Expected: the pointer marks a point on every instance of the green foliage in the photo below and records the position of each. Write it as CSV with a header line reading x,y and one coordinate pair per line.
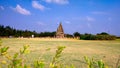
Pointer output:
x,y
7,31
91,63
97,37
55,59
18,60
24,50
15,61
3,50
39,64
71,66
76,34
100,36
103,33
68,35
11,32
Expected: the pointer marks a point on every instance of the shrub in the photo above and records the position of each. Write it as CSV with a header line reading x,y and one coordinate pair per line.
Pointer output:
x,y
97,37
91,63
17,60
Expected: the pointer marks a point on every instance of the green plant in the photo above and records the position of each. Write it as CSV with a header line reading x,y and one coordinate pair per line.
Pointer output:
x,y
18,59
71,66
39,64
3,53
91,63
55,60
15,61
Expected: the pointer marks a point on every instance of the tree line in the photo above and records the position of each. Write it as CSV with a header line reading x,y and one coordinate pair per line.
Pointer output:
x,y
7,31
99,36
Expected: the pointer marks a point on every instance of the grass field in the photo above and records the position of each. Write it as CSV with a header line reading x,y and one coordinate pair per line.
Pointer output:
x,y
74,52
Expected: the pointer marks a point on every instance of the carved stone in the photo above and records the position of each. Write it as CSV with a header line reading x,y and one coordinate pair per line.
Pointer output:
x,y
60,32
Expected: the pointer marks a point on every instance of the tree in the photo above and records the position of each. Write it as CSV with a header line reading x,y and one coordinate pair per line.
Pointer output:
x,y
76,34
103,33
68,35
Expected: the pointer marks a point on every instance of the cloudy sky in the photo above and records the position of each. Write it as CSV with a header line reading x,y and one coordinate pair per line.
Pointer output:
x,y
84,16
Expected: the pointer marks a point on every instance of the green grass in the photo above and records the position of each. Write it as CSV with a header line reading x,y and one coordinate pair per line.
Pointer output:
x,y
74,52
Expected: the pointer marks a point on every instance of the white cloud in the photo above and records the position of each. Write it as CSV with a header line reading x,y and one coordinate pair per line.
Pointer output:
x,y
36,5
99,12
58,1
67,22
41,23
90,19
1,7
21,10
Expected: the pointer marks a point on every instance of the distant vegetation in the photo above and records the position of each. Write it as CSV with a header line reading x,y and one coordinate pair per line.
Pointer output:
x,y
11,32
7,31
100,36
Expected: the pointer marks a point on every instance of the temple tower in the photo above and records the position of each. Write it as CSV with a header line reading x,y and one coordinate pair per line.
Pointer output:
x,y
60,31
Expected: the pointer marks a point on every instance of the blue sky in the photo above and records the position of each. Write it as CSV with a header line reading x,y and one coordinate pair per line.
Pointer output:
x,y
84,16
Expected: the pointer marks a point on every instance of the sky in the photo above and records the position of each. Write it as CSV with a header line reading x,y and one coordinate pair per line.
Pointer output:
x,y
83,16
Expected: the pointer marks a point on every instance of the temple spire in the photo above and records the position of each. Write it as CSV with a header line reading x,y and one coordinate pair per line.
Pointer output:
x,y
60,31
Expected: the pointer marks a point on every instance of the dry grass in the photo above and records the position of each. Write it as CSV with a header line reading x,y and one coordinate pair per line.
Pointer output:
x,y
74,52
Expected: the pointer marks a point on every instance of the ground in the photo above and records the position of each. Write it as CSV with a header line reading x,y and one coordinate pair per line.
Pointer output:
x,y
74,52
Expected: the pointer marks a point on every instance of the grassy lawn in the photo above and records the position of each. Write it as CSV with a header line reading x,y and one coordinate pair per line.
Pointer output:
x,y
74,52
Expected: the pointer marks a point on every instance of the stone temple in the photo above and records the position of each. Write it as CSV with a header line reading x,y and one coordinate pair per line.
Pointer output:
x,y
60,31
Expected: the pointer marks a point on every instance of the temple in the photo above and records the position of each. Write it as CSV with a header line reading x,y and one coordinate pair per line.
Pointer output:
x,y
60,32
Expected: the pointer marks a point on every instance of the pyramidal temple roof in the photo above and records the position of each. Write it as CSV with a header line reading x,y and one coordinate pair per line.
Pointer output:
x,y
60,28
60,31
